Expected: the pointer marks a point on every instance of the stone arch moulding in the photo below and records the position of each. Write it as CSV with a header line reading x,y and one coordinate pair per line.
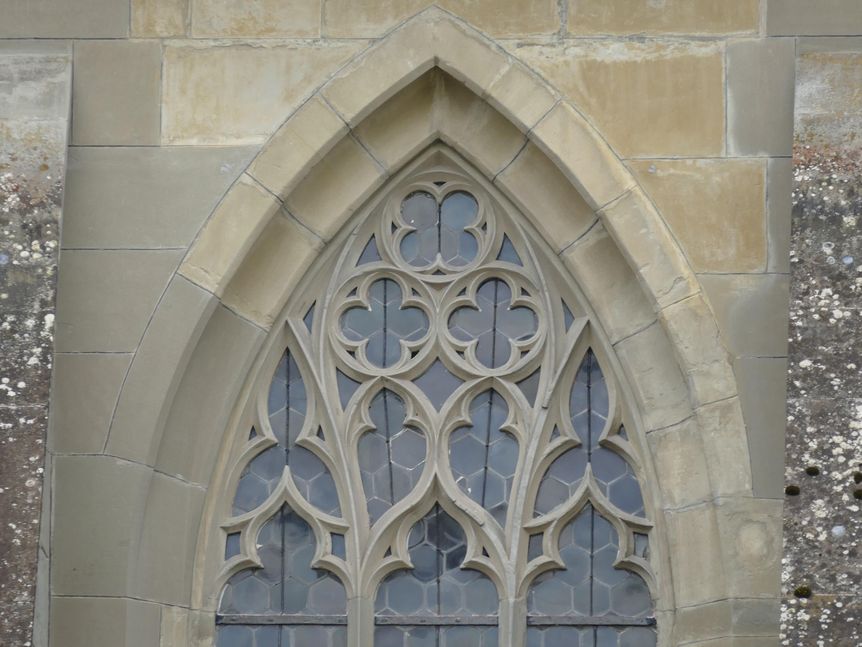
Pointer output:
x,y
434,79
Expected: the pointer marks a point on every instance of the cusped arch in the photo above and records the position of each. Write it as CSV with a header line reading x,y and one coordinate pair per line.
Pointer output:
x,y
416,85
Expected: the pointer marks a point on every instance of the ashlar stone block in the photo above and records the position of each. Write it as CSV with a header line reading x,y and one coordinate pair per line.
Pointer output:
x,y
64,19
680,465
159,18
115,94
779,192
700,573
725,441
715,208
821,18
88,621
256,19
648,99
217,93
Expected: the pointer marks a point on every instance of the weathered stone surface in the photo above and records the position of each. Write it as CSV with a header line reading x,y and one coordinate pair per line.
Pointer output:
x,y
370,18
649,99
715,208
34,110
636,17
120,197
105,298
779,190
88,621
64,19
216,93
821,18
257,19
751,310
680,464
159,18
760,78
116,95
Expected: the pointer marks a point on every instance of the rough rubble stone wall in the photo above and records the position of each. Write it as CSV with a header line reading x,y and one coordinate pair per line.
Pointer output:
x,y
35,88
172,98
823,526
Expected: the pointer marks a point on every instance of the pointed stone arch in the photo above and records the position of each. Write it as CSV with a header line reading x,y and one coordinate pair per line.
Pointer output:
x,y
418,85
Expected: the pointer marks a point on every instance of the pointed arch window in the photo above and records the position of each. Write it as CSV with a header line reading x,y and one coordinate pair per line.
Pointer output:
x,y
439,455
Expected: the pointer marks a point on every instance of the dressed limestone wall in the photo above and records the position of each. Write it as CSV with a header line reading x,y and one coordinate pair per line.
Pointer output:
x,y
173,98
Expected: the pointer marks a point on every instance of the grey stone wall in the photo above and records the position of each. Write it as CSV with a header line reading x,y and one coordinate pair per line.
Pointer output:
x,y
35,88
823,527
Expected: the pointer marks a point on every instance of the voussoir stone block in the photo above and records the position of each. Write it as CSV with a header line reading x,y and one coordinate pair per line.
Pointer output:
x,y
275,264
116,94
649,248
546,197
371,18
218,93
750,531
297,145
521,95
159,18
611,289
725,440
648,359
335,188
699,572
680,465
105,297
229,234
715,208
144,197
652,99
695,336
85,392
582,156
259,19
647,17
88,621
467,56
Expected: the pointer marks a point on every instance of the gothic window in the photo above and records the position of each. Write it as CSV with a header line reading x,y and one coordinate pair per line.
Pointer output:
x,y
439,456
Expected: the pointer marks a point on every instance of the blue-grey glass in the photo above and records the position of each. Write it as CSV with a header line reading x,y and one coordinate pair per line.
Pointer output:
x,y
534,547
588,402
314,636
483,457
437,585
589,584
568,317
286,581
391,456
508,253
439,230
384,323
394,636
561,479
475,636
559,637
617,480
625,637
641,545
458,211
493,322
287,406
346,388
247,636
530,386
308,319
370,254
419,211
338,547
231,547
438,383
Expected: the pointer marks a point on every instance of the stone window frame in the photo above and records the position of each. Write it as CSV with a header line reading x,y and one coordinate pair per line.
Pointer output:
x,y
715,540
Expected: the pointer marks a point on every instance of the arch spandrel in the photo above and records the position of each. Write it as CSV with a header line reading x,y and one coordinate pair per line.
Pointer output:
x,y
627,226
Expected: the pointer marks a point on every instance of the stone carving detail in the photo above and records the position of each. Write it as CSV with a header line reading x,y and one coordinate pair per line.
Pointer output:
x,y
440,458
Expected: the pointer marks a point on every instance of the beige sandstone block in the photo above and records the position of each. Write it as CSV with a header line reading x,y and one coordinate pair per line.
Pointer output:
x,y
98,503
546,197
752,311
630,17
609,284
152,379
297,145
334,188
820,18
207,395
239,93
370,18
699,571
750,531
159,18
703,621
84,394
274,266
648,359
115,93
779,192
466,55
680,465
521,95
694,334
64,19
649,248
582,156
256,19
105,298
175,627
715,208
228,235
89,621
648,99
725,441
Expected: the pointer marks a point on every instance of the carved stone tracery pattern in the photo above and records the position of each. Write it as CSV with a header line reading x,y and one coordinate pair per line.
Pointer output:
x,y
440,458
